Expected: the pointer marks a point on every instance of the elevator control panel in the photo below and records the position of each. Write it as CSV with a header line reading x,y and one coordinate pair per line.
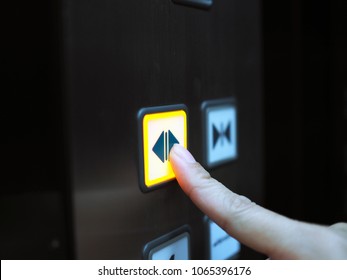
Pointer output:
x,y
219,128
159,128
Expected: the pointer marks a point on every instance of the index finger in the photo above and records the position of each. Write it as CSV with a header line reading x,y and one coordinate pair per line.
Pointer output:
x,y
261,229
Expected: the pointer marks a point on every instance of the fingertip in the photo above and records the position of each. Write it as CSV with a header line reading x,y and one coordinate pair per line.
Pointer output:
x,y
182,153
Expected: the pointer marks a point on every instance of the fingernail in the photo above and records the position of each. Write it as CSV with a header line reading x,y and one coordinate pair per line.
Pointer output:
x,y
183,153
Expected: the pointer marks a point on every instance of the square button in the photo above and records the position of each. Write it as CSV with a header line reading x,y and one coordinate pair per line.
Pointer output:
x,y
221,246
219,131
172,246
159,129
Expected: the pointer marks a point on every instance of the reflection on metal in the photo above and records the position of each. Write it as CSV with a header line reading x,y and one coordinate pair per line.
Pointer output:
x,y
195,3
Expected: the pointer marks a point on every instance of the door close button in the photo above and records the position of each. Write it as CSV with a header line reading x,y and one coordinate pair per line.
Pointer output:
x,y
219,131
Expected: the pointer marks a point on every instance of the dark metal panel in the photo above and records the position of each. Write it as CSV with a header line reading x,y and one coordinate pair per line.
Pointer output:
x,y
125,55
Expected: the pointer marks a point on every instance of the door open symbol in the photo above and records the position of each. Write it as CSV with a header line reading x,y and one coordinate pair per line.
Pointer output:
x,y
159,129
164,144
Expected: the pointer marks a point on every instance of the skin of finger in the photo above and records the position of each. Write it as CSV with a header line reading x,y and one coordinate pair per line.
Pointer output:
x,y
256,227
340,228
339,233
236,214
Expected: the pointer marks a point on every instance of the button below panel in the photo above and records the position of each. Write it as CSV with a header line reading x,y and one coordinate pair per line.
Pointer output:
x,y
172,246
221,246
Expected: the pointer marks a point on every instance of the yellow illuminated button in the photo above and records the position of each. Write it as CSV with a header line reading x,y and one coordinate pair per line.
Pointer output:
x,y
160,128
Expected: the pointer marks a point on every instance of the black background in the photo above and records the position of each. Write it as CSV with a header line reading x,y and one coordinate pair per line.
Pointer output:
x,y
300,152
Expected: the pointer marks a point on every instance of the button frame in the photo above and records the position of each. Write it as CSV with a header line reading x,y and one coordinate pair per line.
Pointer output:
x,y
208,105
207,226
163,241
141,155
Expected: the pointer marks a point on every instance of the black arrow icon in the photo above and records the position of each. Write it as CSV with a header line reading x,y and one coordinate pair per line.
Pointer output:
x,y
164,144
221,134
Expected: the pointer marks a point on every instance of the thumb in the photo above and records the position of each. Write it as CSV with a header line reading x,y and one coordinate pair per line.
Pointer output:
x,y
258,228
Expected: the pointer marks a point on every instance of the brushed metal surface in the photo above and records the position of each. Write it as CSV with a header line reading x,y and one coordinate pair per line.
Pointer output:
x,y
125,55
